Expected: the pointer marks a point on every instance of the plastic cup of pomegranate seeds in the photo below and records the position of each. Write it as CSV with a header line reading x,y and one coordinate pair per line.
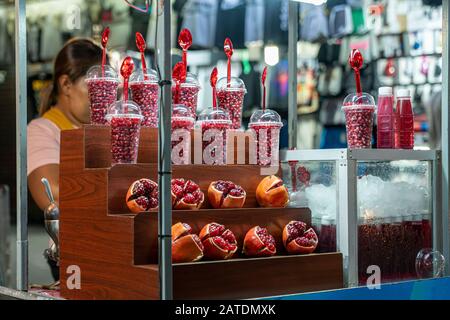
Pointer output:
x,y
266,125
188,94
359,111
183,122
102,91
125,120
231,98
214,124
145,92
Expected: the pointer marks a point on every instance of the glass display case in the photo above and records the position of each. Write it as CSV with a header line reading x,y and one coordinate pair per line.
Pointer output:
x,y
380,208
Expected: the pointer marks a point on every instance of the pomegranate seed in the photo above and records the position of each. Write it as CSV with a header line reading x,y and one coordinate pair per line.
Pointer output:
x,y
188,96
232,102
359,122
267,138
146,95
102,93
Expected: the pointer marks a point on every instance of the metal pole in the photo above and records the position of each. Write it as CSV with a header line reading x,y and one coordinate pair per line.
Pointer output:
x,y
21,144
445,131
164,152
292,62
347,228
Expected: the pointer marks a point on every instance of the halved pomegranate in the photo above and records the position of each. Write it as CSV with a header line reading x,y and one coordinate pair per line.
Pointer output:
x,y
271,192
219,242
226,194
297,239
186,247
186,194
142,195
258,242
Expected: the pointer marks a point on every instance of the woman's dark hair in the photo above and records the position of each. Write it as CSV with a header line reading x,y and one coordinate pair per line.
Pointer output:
x,y
73,60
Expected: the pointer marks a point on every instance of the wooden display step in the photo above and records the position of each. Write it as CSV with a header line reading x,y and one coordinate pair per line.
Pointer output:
x,y
255,278
116,251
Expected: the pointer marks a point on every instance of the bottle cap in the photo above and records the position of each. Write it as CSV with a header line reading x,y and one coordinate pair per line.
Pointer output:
x,y
385,91
403,93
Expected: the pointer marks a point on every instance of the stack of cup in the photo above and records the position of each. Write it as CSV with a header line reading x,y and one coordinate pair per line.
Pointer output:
x,y
102,91
145,92
183,121
231,98
266,125
214,124
188,94
125,120
359,110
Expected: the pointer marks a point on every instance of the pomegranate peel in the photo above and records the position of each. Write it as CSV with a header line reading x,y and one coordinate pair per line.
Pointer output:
x,y
142,195
186,247
258,242
297,239
226,194
271,192
219,242
186,195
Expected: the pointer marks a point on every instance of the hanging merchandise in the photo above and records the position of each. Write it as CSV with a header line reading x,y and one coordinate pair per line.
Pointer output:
x,y
254,21
276,22
253,96
358,20
201,18
341,21
279,84
314,24
329,53
389,69
231,22
51,42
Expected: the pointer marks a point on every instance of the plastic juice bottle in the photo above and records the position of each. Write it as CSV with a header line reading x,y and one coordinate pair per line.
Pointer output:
x,y
385,119
405,123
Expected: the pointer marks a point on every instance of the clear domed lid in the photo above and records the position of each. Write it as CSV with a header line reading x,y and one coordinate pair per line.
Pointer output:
x,y
95,72
235,84
123,109
150,77
267,116
218,114
181,111
359,100
191,81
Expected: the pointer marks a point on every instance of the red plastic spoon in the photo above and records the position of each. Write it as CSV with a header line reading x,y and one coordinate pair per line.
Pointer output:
x,y
126,70
228,48
141,45
185,42
105,38
356,62
263,81
213,82
179,74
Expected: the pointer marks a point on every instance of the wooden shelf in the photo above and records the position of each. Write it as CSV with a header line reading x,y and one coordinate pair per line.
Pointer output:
x,y
117,251
255,278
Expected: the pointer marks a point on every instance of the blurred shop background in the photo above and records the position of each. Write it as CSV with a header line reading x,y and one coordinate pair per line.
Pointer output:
x,y
401,41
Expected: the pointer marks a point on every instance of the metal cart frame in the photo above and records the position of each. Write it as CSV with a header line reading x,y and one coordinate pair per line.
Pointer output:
x,y
347,163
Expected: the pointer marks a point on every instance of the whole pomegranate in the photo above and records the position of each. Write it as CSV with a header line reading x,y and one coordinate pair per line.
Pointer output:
x,y
219,242
298,239
271,192
186,247
142,195
226,194
258,242
186,194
